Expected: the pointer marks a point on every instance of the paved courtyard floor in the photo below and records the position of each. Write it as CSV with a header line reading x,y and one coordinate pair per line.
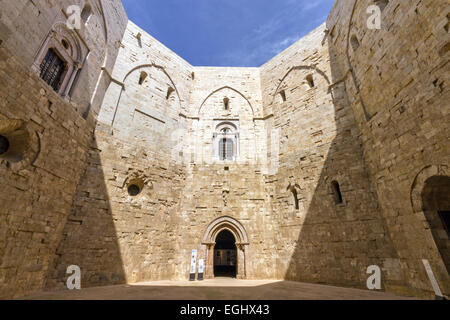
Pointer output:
x,y
217,289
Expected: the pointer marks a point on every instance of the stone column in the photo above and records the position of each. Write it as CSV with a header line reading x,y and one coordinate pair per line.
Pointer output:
x,y
209,263
241,272
68,83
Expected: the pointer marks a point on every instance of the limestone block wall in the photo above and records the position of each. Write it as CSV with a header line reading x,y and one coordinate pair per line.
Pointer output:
x,y
319,238
215,188
212,192
240,87
120,174
397,83
117,237
99,36
49,138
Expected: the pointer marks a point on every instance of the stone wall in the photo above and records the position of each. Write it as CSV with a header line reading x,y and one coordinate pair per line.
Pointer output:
x,y
236,189
397,83
49,138
318,239
117,237
340,162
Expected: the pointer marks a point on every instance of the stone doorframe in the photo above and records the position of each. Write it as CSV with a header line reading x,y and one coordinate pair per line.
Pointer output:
x,y
209,241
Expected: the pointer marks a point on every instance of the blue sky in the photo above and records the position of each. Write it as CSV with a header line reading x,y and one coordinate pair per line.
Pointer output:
x,y
239,33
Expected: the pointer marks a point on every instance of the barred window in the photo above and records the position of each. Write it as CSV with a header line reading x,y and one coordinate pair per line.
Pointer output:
x,y
52,69
226,149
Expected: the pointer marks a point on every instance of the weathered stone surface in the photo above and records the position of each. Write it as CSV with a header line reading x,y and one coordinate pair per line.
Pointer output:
x,y
374,119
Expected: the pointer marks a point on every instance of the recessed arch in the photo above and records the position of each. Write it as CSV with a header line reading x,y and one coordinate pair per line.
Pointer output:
x,y
429,200
209,241
226,124
71,37
228,223
419,183
223,88
152,65
86,13
300,67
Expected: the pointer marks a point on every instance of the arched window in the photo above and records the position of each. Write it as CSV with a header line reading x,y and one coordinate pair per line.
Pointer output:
x,y
283,95
226,149
226,141
4,144
295,195
337,193
381,4
52,69
86,13
310,80
170,90
142,77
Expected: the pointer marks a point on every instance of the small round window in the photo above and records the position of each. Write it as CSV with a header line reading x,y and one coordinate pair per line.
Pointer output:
x,y
4,145
133,190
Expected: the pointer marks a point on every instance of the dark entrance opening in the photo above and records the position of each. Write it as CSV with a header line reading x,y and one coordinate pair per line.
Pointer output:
x,y
225,252
4,145
436,207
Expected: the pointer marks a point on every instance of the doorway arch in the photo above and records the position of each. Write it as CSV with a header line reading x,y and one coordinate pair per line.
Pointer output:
x,y
429,200
225,226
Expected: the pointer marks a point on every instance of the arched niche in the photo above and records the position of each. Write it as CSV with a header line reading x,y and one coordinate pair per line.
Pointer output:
x,y
239,112
148,117
233,96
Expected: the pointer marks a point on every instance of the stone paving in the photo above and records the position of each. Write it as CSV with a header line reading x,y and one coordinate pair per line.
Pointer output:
x,y
218,289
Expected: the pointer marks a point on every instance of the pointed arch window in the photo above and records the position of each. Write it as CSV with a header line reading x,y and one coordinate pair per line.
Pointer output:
x,y
283,95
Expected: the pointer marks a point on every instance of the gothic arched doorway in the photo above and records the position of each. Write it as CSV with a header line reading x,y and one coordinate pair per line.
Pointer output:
x,y
225,234
225,255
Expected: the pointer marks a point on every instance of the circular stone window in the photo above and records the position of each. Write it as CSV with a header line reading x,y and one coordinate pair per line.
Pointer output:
x,y
134,190
4,145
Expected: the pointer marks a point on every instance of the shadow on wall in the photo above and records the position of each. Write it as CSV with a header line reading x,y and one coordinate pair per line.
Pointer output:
x,y
342,232
89,237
